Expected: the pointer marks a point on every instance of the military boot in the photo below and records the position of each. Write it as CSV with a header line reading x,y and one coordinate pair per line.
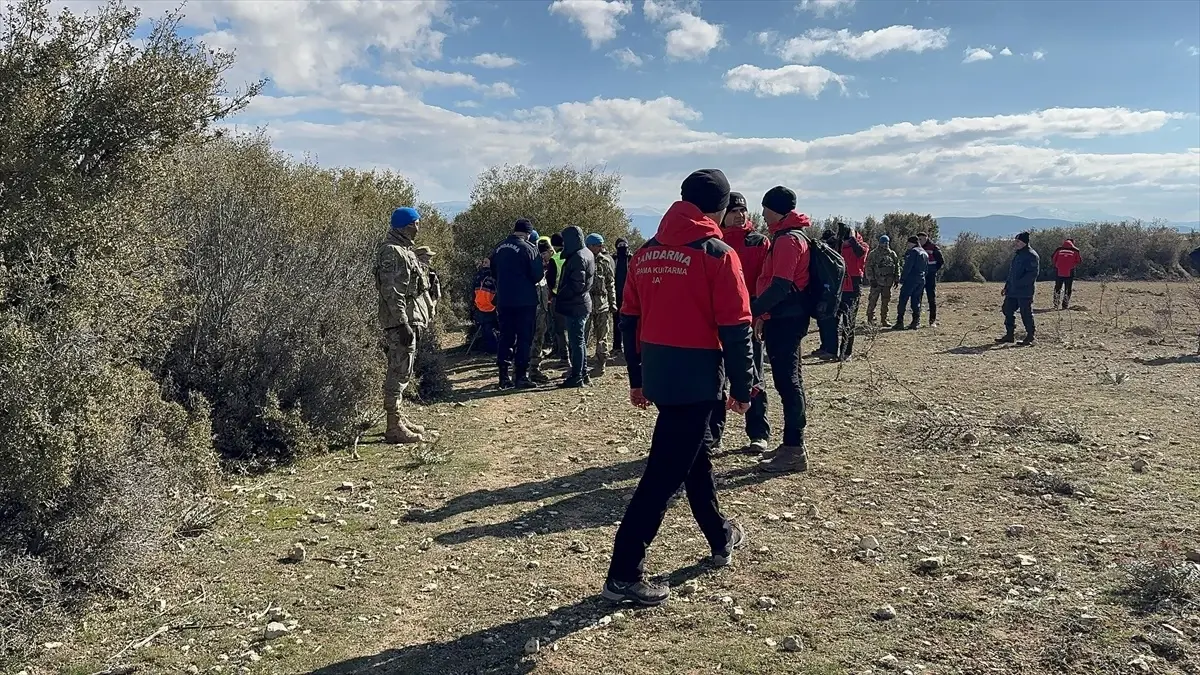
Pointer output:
x,y
598,369
523,381
397,433
505,380
536,375
787,459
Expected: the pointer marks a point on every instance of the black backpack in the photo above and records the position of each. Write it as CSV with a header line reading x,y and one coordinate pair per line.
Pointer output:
x,y
826,272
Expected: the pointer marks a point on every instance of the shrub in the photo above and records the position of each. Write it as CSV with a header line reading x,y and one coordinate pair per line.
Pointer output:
x,y
962,258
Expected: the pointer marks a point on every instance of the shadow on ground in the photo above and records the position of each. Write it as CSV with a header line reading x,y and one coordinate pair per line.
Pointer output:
x,y
1168,360
500,649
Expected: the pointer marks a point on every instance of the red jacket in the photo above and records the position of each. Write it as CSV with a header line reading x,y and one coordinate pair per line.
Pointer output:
x,y
751,248
1066,258
685,318
785,271
854,252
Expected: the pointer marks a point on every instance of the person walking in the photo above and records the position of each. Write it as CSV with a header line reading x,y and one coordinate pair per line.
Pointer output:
x,y
781,312
621,260
883,274
912,284
752,248
1065,258
854,253
1019,287
574,303
401,284
604,300
687,332
517,270
935,265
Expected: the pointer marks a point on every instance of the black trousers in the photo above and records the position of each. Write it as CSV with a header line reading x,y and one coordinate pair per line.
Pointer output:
x,y
847,317
781,336
931,295
516,336
1011,305
757,426
909,296
680,454
1062,288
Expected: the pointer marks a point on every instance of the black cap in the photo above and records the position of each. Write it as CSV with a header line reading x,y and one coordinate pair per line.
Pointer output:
x,y
543,246
913,240
556,240
780,200
1024,236
737,201
523,225
707,190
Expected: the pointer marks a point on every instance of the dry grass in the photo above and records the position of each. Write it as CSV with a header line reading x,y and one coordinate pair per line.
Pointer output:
x,y
938,443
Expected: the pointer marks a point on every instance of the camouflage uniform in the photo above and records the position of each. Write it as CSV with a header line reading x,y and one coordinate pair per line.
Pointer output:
x,y
434,292
541,327
604,301
883,271
403,312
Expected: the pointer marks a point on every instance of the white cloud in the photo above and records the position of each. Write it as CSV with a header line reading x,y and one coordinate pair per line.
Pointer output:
x,y
1193,51
766,38
423,78
1006,52
972,55
1038,55
807,80
466,104
863,46
825,7
600,19
626,58
690,38
494,61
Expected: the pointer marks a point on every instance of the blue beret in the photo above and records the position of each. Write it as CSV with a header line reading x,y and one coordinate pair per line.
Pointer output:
x,y
404,216
594,239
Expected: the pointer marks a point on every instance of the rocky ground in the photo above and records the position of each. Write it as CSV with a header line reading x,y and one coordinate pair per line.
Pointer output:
x,y
970,509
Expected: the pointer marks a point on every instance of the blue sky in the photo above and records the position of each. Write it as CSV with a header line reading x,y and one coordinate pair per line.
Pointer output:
x,y
955,108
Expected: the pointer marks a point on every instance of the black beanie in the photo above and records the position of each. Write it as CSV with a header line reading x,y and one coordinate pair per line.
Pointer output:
x,y
780,200
543,246
556,240
1023,237
523,225
737,201
707,190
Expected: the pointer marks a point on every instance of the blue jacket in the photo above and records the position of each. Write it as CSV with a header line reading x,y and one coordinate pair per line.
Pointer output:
x,y
916,264
517,269
1022,274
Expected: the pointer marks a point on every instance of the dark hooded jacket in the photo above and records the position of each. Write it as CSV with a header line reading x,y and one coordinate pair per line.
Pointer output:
x,y
517,268
1194,256
578,273
622,260
685,323
1022,273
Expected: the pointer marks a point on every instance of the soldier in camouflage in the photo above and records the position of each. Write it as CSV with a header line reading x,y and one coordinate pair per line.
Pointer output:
x,y
543,320
604,300
403,313
434,294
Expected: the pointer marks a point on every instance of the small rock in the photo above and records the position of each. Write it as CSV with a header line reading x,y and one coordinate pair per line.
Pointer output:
x,y
53,645
347,486
690,587
1193,555
868,543
605,620
931,563
788,516
1025,560
1015,530
814,512
885,613
275,630
1028,472
429,588
193,669
766,603
622,450
533,646
792,643
533,564
736,613
158,606
276,614
889,662
1090,621
771,517
577,546
1140,465
297,553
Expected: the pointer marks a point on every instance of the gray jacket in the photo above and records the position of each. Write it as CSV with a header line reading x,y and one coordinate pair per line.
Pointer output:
x,y
1022,274
916,263
578,274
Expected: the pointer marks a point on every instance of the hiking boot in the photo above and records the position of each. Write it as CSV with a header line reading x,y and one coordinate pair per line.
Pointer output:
x,y
914,326
598,370
1006,339
933,324
523,382
397,433
505,381
537,376
571,383
737,537
787,459
898,326
1029,341
637,592
755,447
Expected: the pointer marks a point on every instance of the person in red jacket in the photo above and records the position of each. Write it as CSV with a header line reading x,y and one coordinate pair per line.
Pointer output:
x,y
854,251
782,311
686,325
751,247
1066,258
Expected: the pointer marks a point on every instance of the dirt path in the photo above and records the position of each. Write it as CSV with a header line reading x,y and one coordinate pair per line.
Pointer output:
x,y
919,444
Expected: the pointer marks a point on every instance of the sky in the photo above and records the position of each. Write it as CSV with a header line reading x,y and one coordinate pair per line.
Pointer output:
x,y
956,108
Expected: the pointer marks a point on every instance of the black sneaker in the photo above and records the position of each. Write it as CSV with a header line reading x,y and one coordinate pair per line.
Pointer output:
x,y
914,326
1006,340
571,383
637,592
737,537
506,383
1028,341
524,383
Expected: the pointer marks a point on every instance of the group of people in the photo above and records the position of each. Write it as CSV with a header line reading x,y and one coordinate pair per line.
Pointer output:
x,y
697,310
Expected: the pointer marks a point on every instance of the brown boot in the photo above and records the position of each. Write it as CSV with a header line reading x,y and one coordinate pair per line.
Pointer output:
x,y
397,433
787,459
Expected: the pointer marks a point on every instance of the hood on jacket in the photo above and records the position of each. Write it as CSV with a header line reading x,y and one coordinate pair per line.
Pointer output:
x,y
791,221
1068,243
572,240
684,223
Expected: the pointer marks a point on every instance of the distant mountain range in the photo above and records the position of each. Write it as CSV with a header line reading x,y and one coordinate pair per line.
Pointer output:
x,y
645,220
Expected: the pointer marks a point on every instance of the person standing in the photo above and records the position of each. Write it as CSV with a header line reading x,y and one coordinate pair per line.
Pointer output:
x,y
934,255
401,284
827,315
1065,258
781,312
751,247
434,294
560,328
604,300
854,252
883,274
621,260
482,301
912,284
517,270
687,337
574,302
543,320
1018,291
